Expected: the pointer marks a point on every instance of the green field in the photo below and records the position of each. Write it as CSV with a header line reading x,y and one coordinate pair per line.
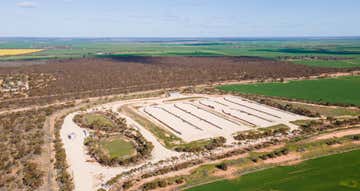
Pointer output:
x,y
118,147
97,120
342,90
338,172
345,50
336,64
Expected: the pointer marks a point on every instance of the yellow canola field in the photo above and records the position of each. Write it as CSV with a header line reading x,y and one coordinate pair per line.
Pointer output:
x,y
14,52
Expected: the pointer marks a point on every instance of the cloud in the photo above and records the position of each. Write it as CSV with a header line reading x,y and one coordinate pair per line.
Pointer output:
x,y
26,4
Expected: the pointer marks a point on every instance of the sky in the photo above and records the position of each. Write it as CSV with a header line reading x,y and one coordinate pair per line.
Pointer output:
x,y
179,18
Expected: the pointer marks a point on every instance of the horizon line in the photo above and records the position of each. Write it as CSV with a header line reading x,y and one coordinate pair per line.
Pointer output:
x,y
180,37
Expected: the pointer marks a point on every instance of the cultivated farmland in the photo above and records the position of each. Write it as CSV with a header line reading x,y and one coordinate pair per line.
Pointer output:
x,y
336,172
341,90
14,52
339,53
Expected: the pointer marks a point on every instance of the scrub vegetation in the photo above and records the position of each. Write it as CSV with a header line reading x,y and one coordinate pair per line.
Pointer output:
x,y
90,77
22,140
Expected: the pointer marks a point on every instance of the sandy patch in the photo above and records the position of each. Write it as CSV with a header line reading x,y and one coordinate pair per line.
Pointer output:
x,y
293,162
336,145
284,158
356,142
229,173
169,188
338,134
269,149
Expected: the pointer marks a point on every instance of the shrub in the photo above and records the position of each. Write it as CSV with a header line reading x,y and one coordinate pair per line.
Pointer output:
x,y
180,180
32,176
222,166
355,137
126,185
162,183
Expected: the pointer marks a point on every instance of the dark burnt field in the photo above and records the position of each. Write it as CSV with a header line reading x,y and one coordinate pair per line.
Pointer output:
x,y
101,76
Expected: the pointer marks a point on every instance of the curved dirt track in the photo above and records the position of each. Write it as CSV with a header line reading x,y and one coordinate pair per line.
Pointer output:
x,y
89,175
338,134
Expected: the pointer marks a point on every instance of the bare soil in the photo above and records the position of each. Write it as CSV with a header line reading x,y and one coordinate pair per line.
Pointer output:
x,y
337,134
284,158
